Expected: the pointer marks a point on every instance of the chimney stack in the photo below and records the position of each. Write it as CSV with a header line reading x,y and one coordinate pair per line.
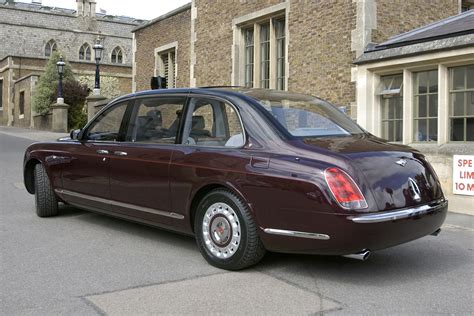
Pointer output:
x,y
86,8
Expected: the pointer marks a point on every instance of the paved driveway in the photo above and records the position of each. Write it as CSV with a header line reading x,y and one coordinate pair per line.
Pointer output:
x,y
87,264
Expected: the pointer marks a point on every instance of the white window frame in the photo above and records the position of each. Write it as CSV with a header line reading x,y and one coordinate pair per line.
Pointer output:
x,y
426,94
255,20
172,67
384,95
465,90
368,81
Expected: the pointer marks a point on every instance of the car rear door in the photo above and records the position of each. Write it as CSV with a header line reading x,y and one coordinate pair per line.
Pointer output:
x,y
210,151
139,167
86,175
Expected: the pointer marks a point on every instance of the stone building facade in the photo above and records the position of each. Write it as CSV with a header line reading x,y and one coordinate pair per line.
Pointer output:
x,y
320,40
29,32
417,88
169,32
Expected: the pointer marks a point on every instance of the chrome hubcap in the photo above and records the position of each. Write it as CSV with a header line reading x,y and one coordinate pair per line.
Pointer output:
x,y
221,230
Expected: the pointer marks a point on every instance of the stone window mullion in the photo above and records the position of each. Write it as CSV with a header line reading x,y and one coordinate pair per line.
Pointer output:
x,y
273,55
256,57
265,55
407,106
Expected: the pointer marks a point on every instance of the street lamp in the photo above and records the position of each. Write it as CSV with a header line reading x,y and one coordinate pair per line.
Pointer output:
x,y
98,49
60,64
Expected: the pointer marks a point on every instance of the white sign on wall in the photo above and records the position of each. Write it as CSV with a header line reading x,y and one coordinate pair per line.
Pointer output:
x,y
463,174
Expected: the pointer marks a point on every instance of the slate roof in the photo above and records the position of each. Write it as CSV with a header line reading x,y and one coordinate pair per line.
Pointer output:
x,y
453,32
42,8
183,8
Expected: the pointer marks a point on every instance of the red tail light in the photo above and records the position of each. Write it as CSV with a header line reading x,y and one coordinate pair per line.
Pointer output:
x,y
344,189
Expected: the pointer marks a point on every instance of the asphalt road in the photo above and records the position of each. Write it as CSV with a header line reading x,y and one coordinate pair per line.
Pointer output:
x,y
87,264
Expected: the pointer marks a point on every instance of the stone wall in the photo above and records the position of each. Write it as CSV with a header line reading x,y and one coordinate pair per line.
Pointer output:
x,y
43,122
399,16
33,29
214,38
26,86
115,81
176,28
319,50
4,95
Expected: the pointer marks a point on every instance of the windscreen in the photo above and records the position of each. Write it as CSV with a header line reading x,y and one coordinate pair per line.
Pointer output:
x,y
304,115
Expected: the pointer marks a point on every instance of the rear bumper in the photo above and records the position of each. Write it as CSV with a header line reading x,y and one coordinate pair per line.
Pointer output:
x,y
397,215
340,234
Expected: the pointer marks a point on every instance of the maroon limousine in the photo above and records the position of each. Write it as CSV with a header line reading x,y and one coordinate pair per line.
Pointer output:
x,y
244,171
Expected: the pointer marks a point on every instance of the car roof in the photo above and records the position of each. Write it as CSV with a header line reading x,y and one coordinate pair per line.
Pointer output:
x,y
223,91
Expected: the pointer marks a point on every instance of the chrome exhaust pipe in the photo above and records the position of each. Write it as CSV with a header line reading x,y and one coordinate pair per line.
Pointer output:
x,y
436,232
363,255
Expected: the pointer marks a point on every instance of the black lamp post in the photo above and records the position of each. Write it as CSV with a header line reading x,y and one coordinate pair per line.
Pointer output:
x,y
60,64
98,49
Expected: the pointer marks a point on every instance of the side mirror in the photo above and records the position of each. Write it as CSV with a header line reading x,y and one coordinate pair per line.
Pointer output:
x,y
75,134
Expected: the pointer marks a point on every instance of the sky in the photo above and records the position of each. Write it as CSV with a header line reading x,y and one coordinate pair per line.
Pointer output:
x,y
140,9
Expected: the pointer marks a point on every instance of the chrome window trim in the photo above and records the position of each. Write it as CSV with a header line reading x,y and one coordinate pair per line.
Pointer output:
x,y
293,233
136,106
120,204
237,111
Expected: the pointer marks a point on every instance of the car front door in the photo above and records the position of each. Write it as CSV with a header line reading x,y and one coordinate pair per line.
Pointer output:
x,y
139,169
86,177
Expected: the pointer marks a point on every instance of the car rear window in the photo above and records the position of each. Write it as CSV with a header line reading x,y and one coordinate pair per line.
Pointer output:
x,y
304,115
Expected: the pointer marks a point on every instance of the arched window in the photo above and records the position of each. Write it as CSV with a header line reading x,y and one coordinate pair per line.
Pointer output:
x,y
85,52
50,48
117,56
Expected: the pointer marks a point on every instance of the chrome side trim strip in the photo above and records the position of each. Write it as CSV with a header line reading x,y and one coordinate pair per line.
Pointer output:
x,y
120,204
292,233
396,215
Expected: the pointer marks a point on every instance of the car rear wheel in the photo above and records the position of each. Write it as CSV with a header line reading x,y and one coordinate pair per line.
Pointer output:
x,y
45,200
226,233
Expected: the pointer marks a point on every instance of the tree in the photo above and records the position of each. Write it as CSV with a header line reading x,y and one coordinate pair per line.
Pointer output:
x,y
75,95
45,91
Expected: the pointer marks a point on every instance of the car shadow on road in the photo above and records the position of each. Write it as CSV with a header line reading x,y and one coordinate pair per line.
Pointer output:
x,y
70,211
420,259
129,227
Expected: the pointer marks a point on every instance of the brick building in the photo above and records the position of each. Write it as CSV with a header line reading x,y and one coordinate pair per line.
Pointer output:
x,y
29,32
302,46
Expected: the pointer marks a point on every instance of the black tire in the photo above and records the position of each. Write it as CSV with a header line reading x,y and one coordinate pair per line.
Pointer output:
x,y
45,199
250,249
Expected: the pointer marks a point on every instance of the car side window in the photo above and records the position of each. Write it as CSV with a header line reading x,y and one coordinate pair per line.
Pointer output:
x,y
106,127
212,123
156,120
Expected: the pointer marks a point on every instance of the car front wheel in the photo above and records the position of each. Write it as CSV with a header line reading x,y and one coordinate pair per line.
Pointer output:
x,y
45,200
226,233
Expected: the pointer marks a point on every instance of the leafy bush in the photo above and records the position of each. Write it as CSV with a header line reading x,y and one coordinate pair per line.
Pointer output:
x,y
75,95
46,89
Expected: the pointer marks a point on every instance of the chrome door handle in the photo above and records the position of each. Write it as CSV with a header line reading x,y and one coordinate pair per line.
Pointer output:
x,y
103,152
120,153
